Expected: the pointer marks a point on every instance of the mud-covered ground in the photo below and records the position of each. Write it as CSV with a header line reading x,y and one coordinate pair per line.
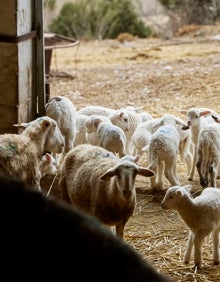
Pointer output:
x,y
162,77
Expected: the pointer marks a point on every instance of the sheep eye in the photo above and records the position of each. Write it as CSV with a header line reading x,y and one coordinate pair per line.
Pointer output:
x,y
126,120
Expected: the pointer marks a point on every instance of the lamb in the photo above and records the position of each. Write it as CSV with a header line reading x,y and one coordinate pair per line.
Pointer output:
x,y
201,215
128,121
144,116
109,136
21,154
48,165
63,111
46,230
80,129
96,110
196,118
96,181
91,128
208,154
162,155
144,131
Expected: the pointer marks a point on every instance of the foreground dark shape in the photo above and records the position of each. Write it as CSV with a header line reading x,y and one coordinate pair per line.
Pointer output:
x,y
41,237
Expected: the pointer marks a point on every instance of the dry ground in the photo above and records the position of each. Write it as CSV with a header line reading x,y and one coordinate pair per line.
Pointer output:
x,y
163,77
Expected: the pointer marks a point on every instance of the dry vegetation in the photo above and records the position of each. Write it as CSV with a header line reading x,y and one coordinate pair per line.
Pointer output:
x,y
163,77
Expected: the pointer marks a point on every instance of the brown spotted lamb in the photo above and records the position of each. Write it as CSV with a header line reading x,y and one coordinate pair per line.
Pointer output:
x,y
196,117
96,181
208,154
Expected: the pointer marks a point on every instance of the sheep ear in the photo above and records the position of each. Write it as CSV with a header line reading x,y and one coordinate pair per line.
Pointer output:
x,y
204,113
183,112
215,119
97,121
188,187
179,192
45,123
48,157
121,114
22,125
108,174
145,172
136,158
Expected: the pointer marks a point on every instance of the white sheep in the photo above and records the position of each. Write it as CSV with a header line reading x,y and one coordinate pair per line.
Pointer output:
x,y
162,153
63,111
96,110
208,154
196,118
40,227
91,128
80,129
48,165
144,131
21,154
96,181
128,121
144,116
202,216
109,136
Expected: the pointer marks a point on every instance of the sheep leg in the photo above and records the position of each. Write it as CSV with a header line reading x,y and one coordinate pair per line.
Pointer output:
x,y
160,172
120,229
198,166
218,176
215,240
189,247
186,155
153,182
111,228
188,159
193,164
213,174
69,144
198,239
170,172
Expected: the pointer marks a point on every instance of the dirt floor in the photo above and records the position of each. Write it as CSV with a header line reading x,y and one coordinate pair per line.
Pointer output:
x,y
163,77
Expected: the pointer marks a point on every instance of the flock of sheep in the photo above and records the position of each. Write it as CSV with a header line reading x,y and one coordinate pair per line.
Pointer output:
x,y
97,150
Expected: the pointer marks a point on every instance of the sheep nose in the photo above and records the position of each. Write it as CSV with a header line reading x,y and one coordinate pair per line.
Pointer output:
x,y
127,194
163,206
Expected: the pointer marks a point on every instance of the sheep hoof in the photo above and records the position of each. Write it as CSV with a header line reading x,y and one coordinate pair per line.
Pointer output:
x,y
198,266
190,179
185,127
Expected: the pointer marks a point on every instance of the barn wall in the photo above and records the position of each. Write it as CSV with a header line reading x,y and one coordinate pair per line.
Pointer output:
x,y
15,64
25,24
9,67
